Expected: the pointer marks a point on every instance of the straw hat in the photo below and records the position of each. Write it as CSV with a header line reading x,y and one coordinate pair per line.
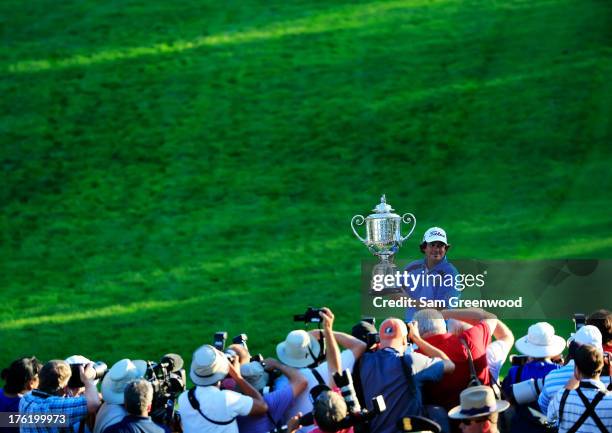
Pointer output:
x,y
476,402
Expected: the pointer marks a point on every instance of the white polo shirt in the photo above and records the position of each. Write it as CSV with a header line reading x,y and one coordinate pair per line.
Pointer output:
x,y
217,405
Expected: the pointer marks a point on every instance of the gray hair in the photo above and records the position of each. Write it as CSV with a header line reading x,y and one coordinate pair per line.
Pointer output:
x,y
138,397
430,322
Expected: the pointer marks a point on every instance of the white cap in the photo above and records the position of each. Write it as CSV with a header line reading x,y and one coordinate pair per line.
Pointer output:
x,y
435,234
589,334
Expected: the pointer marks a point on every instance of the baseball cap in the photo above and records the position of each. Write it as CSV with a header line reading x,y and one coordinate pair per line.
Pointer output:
x,y
435,234
589,334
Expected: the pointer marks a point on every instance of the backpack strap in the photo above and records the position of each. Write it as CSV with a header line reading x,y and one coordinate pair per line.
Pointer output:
x,y
196,405
318,376
473,376
562,404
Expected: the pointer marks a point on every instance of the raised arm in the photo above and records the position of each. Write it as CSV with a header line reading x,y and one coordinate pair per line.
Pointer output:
x,y
473,316
297,381
428,349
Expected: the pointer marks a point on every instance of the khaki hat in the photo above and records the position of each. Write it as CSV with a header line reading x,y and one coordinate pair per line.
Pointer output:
x,y
117,378
254,373
208,366
300,349
476,402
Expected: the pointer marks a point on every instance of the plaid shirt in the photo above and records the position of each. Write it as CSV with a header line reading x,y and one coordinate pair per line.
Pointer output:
x,y
37,402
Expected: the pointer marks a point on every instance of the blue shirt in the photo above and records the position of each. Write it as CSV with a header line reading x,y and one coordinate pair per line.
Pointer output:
x,y
9,404
531,370
36,402
278,402
437,283
134,424
381,372
556,380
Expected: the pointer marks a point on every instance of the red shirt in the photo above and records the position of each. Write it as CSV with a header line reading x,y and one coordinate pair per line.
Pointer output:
x,y
446,392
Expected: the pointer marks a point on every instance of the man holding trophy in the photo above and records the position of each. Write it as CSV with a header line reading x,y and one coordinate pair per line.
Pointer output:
x,y
430,278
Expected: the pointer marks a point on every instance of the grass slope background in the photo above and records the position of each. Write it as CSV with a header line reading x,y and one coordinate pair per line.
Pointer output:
x,y
173,169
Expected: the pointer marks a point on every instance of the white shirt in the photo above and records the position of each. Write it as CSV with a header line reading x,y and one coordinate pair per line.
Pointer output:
x,y
302,402
497,352
215,404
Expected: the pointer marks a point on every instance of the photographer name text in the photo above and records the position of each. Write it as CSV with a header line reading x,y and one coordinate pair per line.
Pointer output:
x,y
453,302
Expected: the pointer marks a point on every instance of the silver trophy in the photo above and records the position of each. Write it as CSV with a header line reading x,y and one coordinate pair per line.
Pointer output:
x,y
383,237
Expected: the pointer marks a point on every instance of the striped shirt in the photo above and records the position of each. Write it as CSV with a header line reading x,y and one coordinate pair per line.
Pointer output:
x,y
37,402
574,408
556,380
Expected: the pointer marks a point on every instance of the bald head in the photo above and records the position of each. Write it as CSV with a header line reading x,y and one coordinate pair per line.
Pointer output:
x,y
393,333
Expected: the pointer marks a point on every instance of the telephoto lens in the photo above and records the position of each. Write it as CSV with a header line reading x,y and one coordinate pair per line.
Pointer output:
x,y
96,373
528,390
344,381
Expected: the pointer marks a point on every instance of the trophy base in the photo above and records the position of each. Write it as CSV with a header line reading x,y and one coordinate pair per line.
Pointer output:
x,y
380,271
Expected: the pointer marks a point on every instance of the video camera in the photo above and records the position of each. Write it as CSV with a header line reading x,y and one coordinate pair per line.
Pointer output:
x,y
168,379
99,370
310,316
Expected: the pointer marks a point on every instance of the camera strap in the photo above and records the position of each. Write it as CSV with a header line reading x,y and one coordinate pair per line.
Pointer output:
x,y
589,408
196,405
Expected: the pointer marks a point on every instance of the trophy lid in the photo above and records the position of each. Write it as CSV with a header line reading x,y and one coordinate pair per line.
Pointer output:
x,y
383,209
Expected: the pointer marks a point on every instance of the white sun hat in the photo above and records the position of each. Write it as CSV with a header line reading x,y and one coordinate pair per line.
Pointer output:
x,y
540,341
300,349
208,366
118,377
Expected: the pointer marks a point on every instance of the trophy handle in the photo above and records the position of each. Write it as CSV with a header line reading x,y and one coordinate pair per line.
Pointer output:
x,y
359,220
408,218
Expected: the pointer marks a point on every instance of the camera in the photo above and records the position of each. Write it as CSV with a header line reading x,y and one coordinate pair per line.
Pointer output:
x,y
356,415
168,379
527,391
310,316
579,320
372,340
219,340
518,360
242,340
99,370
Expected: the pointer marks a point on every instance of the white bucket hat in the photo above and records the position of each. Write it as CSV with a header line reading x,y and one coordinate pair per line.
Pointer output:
x,y
254,373
118,377
540,341
476,402
208,366
435,234
300,349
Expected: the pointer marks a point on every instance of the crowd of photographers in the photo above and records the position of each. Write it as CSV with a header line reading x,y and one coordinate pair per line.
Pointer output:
x,y
439,372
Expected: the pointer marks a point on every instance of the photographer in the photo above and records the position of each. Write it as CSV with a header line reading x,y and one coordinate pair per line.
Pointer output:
x,y
557,379
539,346
397,375
301,350
51,397
329,409
602,320
20,377
207,408
587,407
113,386
138,398
471,343
278,400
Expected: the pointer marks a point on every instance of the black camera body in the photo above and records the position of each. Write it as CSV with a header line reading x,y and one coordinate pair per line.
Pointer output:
x,y
579,321
518,360
99,370
310,316
168,379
